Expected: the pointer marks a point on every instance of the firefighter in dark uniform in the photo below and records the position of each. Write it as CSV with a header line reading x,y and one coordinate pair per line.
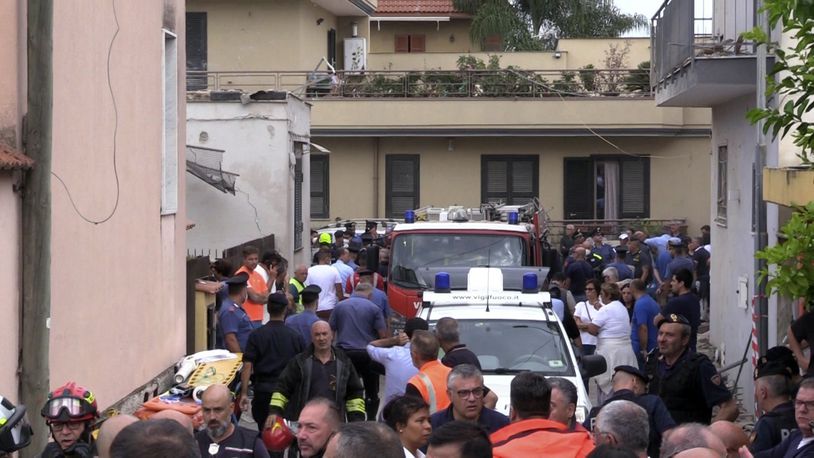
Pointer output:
x,y
686,381
773,394
269,349
629,384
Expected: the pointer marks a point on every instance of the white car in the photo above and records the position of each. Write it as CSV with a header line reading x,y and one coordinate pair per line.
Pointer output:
x,y
511,332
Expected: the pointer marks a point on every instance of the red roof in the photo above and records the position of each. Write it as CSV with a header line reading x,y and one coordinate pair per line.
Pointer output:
x,y
416,7
11,159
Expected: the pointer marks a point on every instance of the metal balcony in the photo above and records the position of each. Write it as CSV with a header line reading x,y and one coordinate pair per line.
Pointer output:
x,y
699,58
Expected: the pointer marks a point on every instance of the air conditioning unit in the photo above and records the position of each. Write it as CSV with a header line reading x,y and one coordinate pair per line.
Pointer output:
x,y
355,54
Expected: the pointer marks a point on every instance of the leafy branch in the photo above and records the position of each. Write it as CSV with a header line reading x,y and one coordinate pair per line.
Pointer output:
x,y
793,275
791,78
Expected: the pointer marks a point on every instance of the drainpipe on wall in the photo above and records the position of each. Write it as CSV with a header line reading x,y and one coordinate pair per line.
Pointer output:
x,y
376,177
36,215
761,236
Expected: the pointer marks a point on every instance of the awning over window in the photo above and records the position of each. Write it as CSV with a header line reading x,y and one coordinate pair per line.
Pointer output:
x,y
205,163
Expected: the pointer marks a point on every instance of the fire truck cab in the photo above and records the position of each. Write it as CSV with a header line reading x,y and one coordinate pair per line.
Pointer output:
x,y
456,239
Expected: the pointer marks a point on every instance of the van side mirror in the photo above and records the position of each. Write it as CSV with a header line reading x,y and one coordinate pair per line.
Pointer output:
x,y
592,365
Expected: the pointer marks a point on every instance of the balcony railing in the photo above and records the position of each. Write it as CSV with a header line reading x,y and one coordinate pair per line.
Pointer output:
x,y
504,83
684,30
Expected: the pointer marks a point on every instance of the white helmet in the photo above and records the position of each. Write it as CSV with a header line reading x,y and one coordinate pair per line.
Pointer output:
x,y
15,432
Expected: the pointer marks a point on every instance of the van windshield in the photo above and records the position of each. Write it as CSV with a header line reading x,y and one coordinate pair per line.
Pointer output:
x,y
510,346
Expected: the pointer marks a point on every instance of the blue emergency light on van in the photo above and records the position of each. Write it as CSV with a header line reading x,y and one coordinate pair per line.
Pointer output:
x,y
409,216
529,283
442,282
512,217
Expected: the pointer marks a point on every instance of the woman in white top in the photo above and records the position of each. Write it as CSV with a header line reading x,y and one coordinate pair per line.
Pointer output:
x,y
584,313
409,416
611,325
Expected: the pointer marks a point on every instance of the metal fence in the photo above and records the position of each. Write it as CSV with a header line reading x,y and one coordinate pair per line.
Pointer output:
x,y
613,227
512,83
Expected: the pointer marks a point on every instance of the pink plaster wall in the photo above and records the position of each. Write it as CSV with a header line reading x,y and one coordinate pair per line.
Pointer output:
x,y
118,297
10,14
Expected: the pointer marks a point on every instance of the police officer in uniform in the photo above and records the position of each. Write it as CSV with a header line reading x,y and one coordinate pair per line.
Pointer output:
x,y
686,381
773,394
269,349
234,325
630,384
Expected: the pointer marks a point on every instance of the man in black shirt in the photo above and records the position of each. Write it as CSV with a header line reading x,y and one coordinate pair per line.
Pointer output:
x,y
446,329
221,437
268,350
773,395
641,261
683,303
577,273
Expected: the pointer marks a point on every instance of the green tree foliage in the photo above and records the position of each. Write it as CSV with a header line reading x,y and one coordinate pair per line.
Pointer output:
x,y
793,259
791,79
537,24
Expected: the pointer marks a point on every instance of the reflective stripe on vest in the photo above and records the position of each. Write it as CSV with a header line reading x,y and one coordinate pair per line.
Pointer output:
x,y
430,392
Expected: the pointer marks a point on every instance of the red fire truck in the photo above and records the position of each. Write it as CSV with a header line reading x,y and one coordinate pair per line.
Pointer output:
x,y
454,239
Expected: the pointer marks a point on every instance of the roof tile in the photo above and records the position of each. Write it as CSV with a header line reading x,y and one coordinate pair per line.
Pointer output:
x,y
11,159
416,7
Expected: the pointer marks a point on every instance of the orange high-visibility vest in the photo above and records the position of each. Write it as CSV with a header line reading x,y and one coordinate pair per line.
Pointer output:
x,y
538,437
431,382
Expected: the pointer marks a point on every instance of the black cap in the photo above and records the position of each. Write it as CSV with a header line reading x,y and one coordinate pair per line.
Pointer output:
x,y
278,298
782,355
674,318
621,249
632,371
311,289
578,234
242,277
772,368
370,225
596,231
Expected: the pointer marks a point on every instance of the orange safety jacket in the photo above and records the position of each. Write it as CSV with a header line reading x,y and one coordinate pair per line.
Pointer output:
x,y
539,437
258,284
431,382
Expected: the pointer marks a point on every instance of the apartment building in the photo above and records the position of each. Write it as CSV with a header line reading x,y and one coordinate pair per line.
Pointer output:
x,y
409,119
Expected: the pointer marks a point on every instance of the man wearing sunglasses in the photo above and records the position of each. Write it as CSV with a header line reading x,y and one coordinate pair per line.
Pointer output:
x,y
70,413
466,394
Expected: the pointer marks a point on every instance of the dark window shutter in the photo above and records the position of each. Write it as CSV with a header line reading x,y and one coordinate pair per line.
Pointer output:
x,y
635,188
319,186
402,184
196,51
402,43
579,188
509,179
497,177
418,43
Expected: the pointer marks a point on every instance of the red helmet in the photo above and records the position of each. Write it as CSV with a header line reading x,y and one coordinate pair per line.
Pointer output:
x,y
279,437
70,402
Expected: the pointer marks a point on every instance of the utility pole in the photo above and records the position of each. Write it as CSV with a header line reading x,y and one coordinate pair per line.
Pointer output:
x,y
759,209
36,212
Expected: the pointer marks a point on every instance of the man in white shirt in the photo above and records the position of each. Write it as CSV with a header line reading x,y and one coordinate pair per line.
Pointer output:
x,y
327,278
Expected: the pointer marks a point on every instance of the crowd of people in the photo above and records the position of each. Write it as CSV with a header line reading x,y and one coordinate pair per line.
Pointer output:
x,y
316,344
